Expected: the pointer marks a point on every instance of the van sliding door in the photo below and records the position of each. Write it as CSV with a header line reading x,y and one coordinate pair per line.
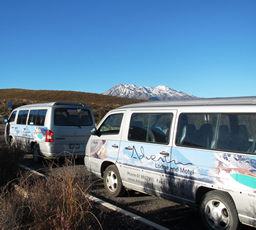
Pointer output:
x,y
147,153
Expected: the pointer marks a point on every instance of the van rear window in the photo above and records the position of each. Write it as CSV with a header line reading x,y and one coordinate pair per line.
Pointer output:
x,y
72,117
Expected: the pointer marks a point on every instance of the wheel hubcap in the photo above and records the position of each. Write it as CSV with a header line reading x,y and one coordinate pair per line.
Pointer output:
x,y
111,181
217,214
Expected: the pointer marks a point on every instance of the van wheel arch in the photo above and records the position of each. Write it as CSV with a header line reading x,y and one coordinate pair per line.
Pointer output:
x,y
36,152
104,165
201,191
32,146
10,140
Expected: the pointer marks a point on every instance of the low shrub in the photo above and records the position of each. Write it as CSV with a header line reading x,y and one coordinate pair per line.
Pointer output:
x,y
55,202
10,158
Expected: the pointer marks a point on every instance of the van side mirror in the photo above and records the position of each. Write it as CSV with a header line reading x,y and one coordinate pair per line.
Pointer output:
x,y
5,120
95,132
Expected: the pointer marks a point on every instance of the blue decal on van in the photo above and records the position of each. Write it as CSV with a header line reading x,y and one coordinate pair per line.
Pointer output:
x,y
36,133
40,133
245,179
238,167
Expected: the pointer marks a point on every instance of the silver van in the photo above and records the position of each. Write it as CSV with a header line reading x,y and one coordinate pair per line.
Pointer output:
x,y
200,153
51,129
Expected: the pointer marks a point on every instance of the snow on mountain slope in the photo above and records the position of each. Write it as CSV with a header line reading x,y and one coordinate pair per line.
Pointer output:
x,y
160,92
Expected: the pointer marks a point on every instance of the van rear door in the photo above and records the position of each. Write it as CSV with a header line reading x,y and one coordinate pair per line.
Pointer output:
x,y
71,130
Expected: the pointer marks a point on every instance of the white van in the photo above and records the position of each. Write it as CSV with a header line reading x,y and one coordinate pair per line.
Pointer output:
x,y
51,129
200,153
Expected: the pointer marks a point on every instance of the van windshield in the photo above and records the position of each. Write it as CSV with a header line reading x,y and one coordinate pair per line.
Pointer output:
x,y
72,117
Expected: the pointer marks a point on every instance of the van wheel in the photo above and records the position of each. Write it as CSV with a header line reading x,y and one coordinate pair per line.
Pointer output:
x,y
11,141
112,181
36,153
218,211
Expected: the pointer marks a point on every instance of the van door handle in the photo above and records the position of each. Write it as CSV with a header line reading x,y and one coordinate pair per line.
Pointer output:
x,y
164,153
128,148
115,146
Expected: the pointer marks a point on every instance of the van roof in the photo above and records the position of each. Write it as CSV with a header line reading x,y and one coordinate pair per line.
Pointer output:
x,y
195,102
56,103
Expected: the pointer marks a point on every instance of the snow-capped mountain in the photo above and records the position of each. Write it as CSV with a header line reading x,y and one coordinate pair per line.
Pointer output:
x,y
160,92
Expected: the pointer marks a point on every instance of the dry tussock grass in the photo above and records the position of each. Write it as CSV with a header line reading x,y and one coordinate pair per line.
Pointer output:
x,y
58,201
54,202
10,158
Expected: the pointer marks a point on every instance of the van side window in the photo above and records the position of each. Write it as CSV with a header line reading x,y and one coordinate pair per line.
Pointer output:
x,y
197,130
41,117
12,117
37,117
32,117
228,132
22,117
242,133
150,127
112,124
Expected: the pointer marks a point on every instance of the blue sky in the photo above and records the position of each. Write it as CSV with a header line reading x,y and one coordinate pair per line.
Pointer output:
x,y
202,47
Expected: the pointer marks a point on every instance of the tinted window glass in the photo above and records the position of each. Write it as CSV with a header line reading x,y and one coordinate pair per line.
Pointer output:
x,y
196,130
150,127
32,117
22,117
72,117
41,117
12,117
37,117
239,134
229,132
112,124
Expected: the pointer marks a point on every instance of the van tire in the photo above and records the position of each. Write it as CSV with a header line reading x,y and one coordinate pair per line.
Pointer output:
x,y
11,141
218,211
36,153
112,181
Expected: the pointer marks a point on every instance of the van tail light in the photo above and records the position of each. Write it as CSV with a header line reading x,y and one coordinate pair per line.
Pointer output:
x,y
49,136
